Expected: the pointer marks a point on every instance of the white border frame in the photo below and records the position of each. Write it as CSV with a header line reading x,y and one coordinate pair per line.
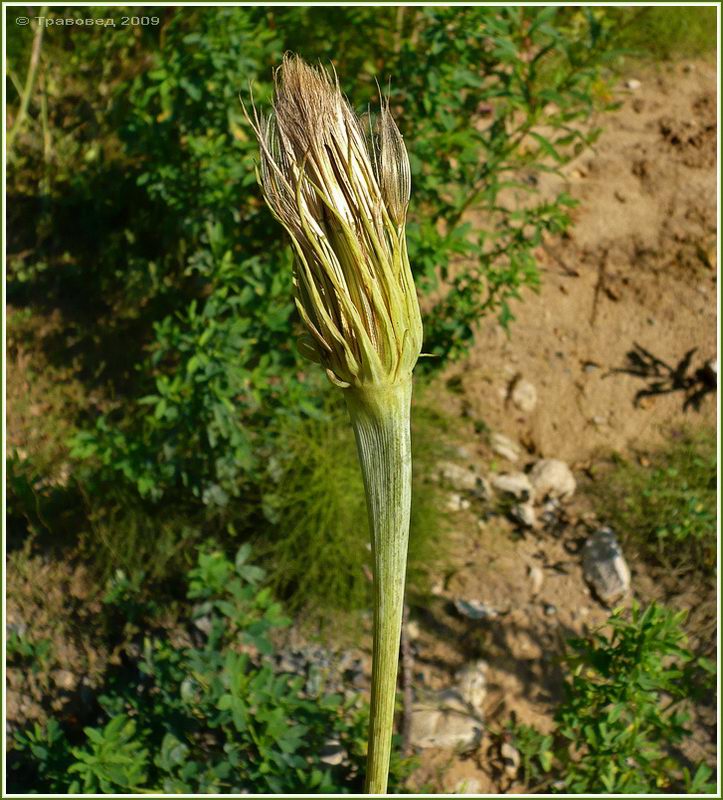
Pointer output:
x,y
340,4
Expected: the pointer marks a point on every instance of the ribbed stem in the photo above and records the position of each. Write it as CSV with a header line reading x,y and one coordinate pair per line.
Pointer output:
x,y
380,417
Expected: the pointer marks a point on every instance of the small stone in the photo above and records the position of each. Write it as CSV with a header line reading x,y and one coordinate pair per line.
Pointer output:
x,y
524,396
484,490
204,624
550,515
293,661
475,609
456,477
18,628
448,699
351,669
435,727
332,753
551,508
455,502
510,759
471,684
463,453
550,609
536,577
413,629
516,484
505,447
553,478
633,84
524,514
467,786
65,679
604,566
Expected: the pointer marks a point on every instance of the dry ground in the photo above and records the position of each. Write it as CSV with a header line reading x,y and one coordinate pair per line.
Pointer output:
x,y
638,269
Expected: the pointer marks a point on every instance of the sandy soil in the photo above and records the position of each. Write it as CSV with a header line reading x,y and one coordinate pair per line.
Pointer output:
x,y
638,270
639,267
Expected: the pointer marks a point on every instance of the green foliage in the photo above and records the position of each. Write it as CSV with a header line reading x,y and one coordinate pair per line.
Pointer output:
x,y
27,653
124,533
170,283
316,545
536,755
664,33
196,432
45,755
223,361
112,760
206,717
668,509
498,100
623,713
313,502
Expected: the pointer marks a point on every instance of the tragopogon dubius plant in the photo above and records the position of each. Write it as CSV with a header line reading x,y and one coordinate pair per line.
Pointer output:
x,y
341,192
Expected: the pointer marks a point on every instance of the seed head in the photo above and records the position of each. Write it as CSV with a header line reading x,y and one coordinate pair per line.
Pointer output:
x,y
342,195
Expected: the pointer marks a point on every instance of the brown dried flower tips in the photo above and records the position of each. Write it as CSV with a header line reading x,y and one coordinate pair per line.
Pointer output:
x,y
342,193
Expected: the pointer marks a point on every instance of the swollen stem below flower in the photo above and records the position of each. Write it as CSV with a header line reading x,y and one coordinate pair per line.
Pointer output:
x,y
380,417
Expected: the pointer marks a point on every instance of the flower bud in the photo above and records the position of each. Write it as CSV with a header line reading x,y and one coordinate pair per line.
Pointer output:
x,y
342,197
395,176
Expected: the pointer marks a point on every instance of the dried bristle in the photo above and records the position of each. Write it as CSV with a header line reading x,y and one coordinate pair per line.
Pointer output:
x,y
342,196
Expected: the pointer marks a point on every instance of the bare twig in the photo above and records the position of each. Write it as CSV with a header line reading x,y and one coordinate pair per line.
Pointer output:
x,y
47,136
14,80
599,286
573,273
29,82
399,28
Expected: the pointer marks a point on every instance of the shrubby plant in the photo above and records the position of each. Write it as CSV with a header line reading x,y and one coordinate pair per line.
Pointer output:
x,y
204,709
624,712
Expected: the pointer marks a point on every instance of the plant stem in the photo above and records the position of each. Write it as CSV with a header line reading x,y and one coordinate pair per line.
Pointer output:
x,y
29,82
407,693
380,417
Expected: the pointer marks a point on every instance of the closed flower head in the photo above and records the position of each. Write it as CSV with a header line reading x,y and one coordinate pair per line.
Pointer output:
x,y
342,192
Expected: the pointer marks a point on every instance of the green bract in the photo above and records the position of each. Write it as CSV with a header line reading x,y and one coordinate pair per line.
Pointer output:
x,y
342,195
